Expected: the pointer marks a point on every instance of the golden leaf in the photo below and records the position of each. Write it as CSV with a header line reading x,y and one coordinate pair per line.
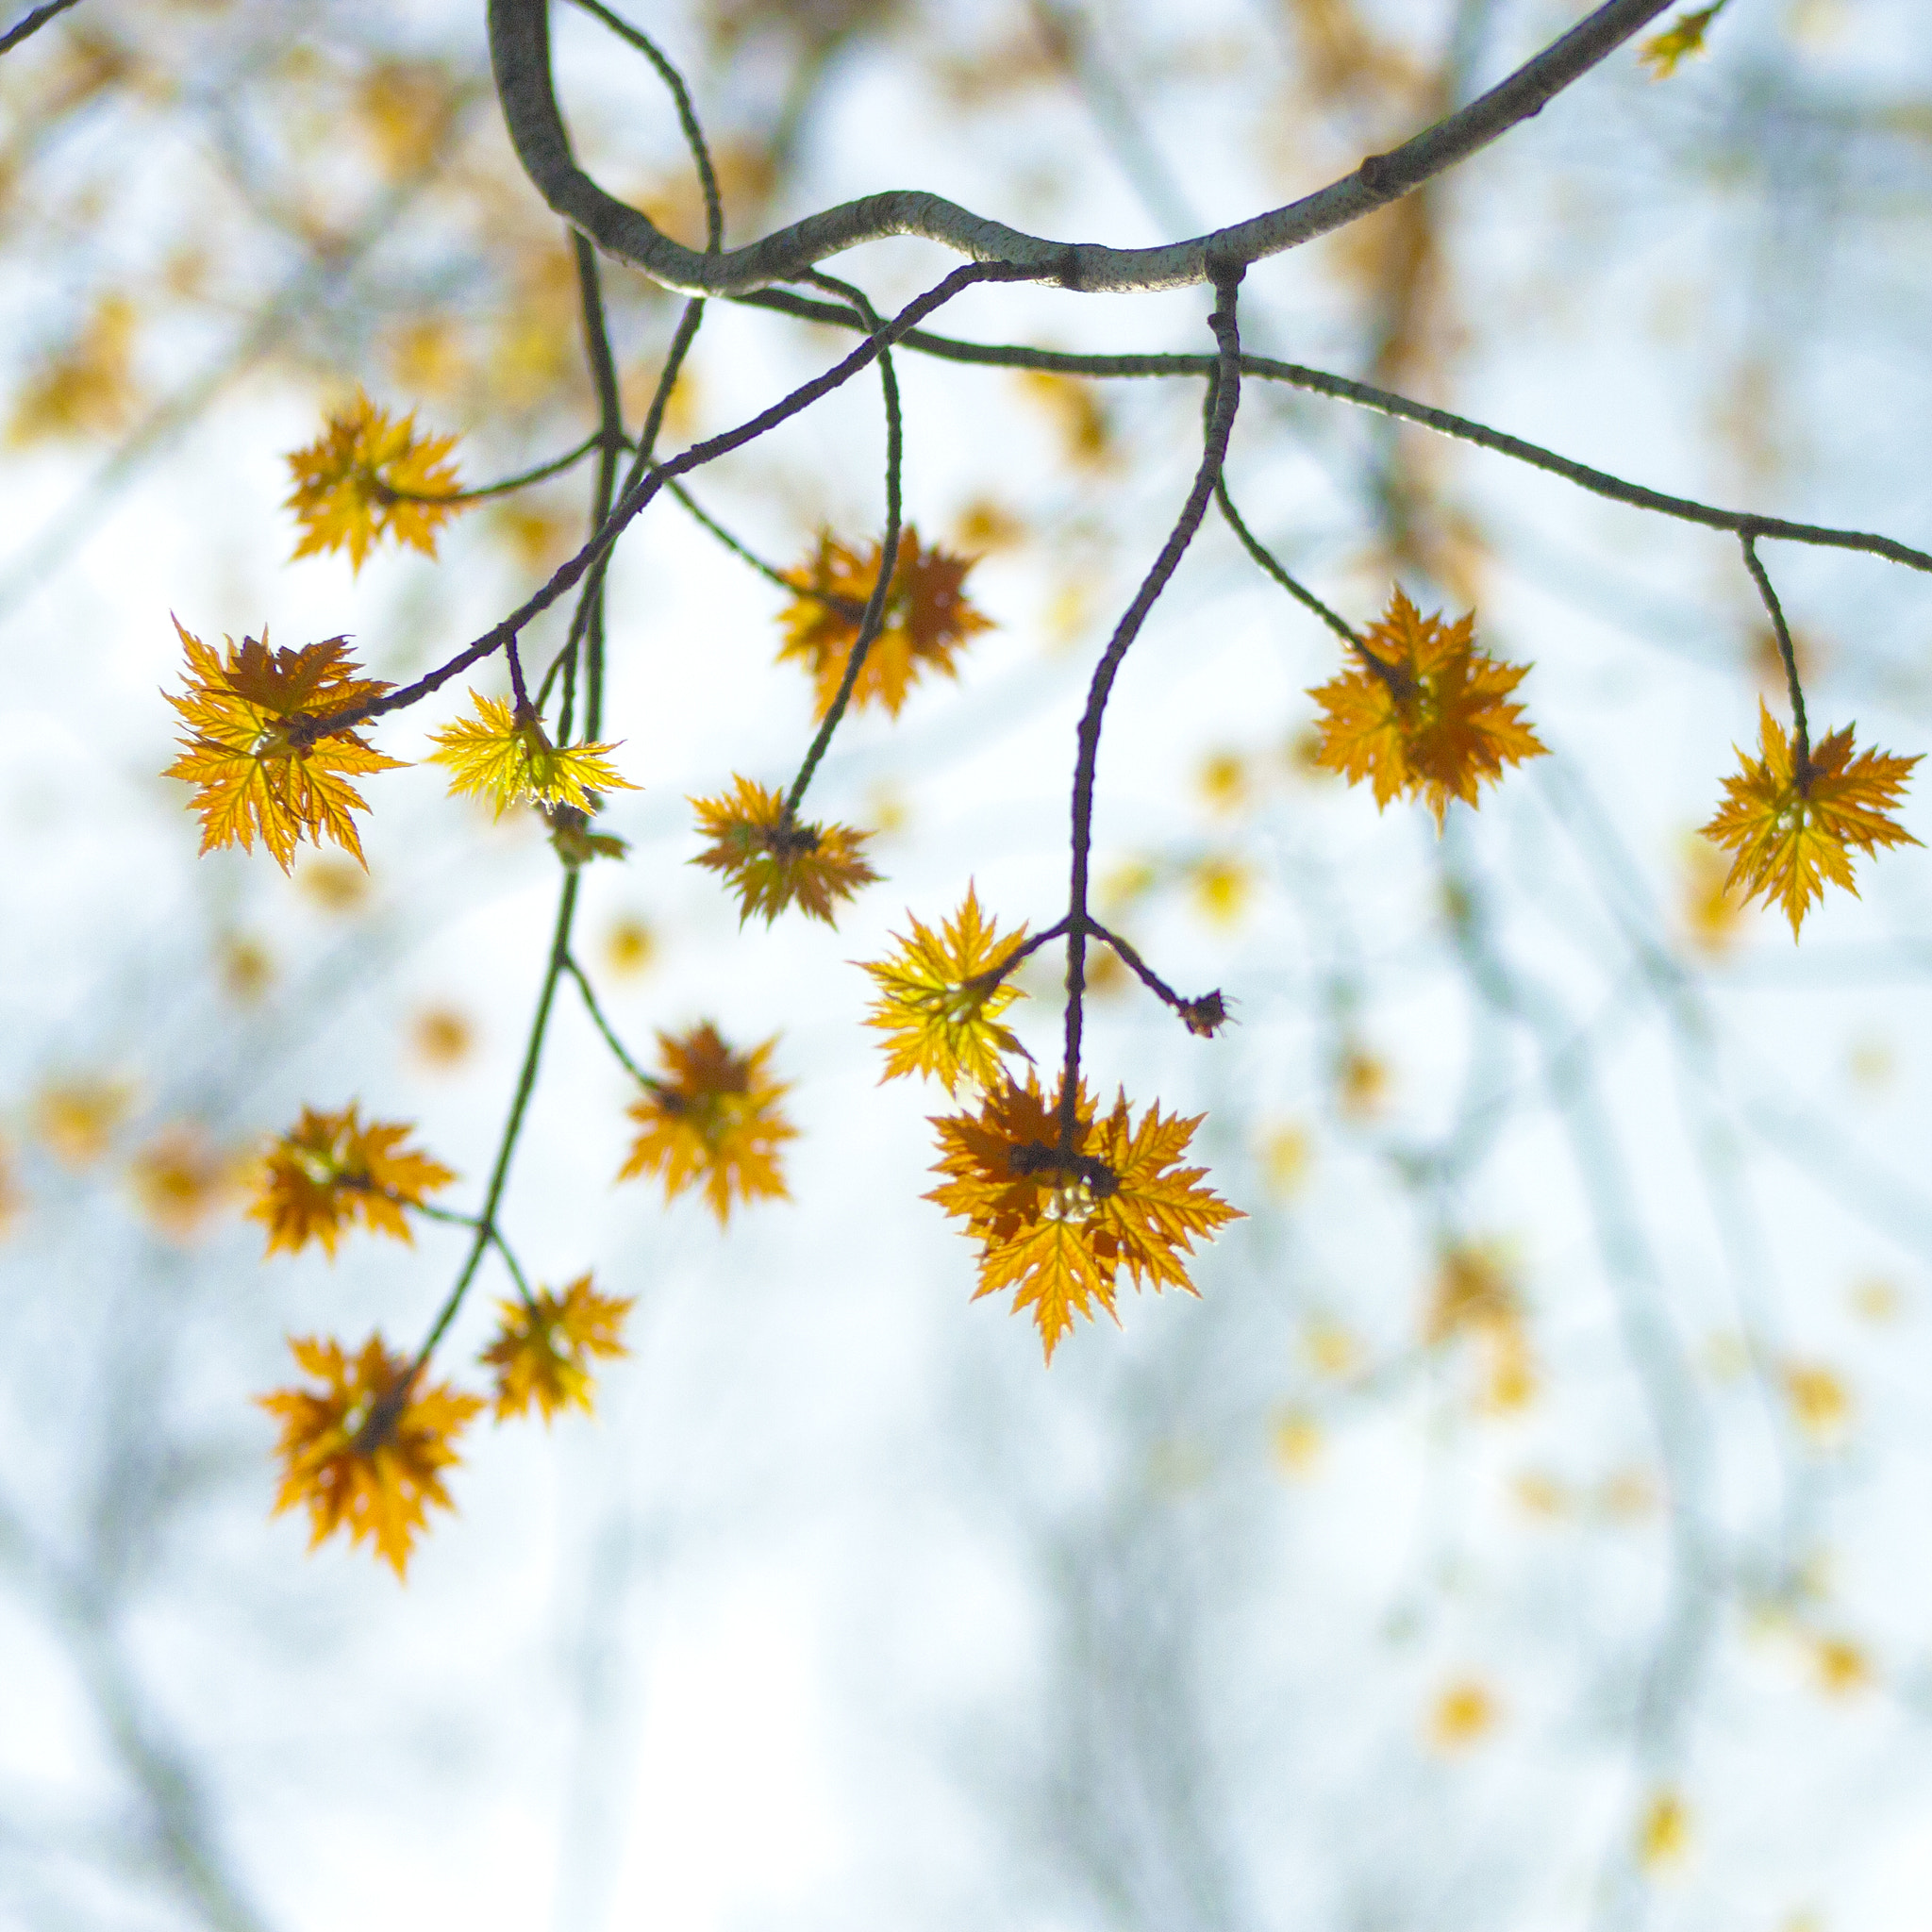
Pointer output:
x,y
543,1348
330,1168
258,775
939,1006
713,1118
506,755
366,1451
369,477
1056,1227
1793,827
1429,716
773,860
928,617
1683,38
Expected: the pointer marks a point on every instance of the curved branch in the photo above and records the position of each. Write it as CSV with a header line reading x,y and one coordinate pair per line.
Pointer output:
x,y
520,54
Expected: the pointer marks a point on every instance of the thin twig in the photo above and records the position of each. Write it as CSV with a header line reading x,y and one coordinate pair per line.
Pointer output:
x,y
1213,454
1786,649
874,621
388,494
1385,402
603,1025
513,1126
32,24
687,117
1268,562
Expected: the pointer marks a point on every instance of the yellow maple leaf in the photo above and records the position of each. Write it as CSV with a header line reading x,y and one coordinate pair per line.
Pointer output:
x,y
1792,823
543,1348
367,1450
331,1168
1057,1229
369,476
506,755
775,860
928,617
259,775
940,1003
713,1120
1429,716
1683,38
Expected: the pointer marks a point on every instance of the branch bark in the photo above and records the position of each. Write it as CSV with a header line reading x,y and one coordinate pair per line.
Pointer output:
x,y
520,54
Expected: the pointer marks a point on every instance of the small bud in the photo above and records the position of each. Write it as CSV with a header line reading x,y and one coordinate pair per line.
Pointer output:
x,y
574,842
1206,1016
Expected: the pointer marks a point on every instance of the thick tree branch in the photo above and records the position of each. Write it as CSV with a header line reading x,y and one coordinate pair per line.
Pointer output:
x,y
520,54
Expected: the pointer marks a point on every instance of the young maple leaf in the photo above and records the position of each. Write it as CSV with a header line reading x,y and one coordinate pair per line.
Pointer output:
x,y
370,476
1793,825
928,617
1427,717
713,1118
258,777
367,1450
938,1005
507,757
1684,37
543,1348
328,1168
1058,1230
772,861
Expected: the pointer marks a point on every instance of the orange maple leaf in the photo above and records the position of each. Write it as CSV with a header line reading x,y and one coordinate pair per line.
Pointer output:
x,y
712,1119
367,1450
1794,823
1427,716
543,1348
370,476
773,859
928,617
330,1168
1055,1228
258,777
938,1006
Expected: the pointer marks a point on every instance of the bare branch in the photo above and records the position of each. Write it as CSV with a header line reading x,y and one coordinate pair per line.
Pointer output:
x,y
520,54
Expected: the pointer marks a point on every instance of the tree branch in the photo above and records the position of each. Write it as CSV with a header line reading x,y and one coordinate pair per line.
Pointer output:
x,y
519,55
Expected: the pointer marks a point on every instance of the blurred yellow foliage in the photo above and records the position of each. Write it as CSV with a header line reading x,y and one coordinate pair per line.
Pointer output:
x,y
1223,782
1222,886
1462,1714
74,1120
1821,1405
1286,1152
1663,1832
180,1179
87,388
1297,1442
441,1037
629,945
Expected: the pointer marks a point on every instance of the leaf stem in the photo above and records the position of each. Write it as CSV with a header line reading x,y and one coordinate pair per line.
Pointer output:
x,y
1220,426
1788,651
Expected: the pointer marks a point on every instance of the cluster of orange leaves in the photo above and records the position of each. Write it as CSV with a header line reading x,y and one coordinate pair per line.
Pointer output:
x,y
369,476
1794,821
712,1119
365,1450
1057,1224
1056,1221
1426,714
263,771
928,617
772,860
258,773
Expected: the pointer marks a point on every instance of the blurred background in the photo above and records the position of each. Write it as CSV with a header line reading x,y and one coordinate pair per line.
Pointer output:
x,y
1525,1527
